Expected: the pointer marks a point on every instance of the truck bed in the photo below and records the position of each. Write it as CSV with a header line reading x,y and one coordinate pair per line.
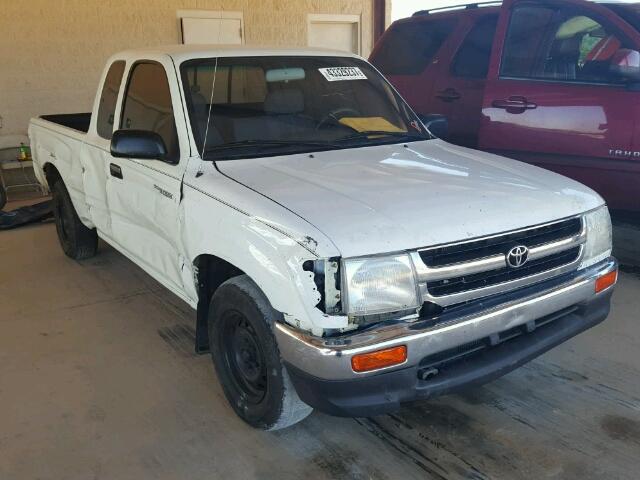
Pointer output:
x,y
60,140
75,121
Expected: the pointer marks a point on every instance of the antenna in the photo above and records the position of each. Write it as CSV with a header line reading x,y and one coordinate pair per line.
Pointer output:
x,y
213,86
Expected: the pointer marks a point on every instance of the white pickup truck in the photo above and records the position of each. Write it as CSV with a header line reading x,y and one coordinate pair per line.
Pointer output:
x,y
338,255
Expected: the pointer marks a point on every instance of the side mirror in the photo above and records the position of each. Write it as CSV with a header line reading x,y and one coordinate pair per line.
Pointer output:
x,y
140,144
626,64
438,125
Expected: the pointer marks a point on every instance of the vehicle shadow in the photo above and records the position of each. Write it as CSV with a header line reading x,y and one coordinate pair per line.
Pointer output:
x,y
626,240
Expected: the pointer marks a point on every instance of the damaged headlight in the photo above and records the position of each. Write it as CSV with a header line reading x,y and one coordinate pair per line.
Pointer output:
x,y
598,245
378,285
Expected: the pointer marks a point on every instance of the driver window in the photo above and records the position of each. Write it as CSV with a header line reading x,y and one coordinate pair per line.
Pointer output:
x,y
147,106
560,45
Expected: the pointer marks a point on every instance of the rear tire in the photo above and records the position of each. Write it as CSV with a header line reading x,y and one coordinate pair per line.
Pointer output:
x,y
246,357
77,241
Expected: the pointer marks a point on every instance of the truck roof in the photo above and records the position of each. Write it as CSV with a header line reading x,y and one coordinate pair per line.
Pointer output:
x,y
181,53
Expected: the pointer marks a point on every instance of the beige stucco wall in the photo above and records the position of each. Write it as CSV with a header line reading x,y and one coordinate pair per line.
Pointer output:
x,y
52,51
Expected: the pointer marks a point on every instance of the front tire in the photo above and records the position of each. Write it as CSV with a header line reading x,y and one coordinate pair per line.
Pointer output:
x,y
77,241
246,357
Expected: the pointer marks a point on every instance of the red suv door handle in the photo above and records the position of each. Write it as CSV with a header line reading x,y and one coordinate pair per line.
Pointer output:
x,y
448,95
514,104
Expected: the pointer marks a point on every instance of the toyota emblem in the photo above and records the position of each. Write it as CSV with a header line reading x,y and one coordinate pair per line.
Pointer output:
x,y
517,256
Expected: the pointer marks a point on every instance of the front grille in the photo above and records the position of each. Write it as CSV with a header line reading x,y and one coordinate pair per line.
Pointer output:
x,y
450,286
468,267
473,250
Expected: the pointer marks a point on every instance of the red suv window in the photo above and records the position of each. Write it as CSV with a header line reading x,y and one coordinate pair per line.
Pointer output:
x,y
560,44
409,46
472,59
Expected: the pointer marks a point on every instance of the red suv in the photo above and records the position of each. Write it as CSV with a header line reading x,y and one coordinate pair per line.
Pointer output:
x,y
555,83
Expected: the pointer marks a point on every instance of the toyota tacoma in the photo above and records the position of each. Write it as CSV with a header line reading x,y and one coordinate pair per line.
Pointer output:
x,y
337,254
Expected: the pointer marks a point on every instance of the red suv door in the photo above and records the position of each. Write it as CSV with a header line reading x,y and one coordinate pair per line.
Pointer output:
x,y
409,54
459,89
552,99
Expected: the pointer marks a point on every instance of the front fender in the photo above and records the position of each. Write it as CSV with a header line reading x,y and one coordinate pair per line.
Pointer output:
x,y
263,249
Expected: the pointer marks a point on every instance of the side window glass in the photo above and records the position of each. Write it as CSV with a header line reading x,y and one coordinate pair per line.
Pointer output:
x,y
108,98
472,59
410,46
524,45
561,45
147,106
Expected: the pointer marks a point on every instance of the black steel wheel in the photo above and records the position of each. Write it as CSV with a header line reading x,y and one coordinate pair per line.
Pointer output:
x,y
246,357
243,357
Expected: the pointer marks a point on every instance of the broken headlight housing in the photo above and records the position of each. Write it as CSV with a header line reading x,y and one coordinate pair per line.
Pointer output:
x,y
379,285
598,244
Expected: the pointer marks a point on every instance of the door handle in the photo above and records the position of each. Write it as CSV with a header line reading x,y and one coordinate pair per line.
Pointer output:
x,y
115,170
514,104
448,95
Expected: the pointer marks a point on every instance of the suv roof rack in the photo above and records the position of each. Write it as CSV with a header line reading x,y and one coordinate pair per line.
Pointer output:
x,y
468,6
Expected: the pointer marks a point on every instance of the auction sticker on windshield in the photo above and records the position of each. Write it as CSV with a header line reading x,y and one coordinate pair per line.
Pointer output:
x,y
335,74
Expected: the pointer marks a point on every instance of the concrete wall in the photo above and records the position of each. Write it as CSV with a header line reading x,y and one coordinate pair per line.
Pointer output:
x,y
52,51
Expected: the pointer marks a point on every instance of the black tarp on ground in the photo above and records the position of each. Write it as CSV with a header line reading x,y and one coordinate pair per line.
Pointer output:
x,y
25,215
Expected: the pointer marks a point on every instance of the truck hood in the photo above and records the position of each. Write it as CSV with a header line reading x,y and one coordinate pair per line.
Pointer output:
x,y
394,197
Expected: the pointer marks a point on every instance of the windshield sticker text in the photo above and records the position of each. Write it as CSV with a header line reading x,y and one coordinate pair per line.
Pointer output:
x,y
335,74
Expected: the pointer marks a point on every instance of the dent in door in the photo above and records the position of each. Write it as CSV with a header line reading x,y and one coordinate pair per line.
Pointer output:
x,y
145,220
94,179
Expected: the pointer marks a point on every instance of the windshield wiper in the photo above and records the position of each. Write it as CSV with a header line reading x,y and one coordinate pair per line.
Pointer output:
x,y
373,133
268,144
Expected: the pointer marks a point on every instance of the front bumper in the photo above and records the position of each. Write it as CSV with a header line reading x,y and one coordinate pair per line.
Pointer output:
x,y
321,371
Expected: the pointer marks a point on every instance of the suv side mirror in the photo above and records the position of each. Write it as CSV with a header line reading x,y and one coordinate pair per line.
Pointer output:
x,y
626,63
438,125
140,144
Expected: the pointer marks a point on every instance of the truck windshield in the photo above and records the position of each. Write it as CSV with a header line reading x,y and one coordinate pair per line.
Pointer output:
x,y
272,105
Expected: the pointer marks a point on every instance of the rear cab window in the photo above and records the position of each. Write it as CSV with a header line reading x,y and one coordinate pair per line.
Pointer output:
x,y
410,46
108,98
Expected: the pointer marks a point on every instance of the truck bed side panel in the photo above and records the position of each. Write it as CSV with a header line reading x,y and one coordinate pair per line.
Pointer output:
x,y
63,147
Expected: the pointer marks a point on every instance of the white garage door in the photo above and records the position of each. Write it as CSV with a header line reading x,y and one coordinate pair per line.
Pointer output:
x,y
337,32
223,28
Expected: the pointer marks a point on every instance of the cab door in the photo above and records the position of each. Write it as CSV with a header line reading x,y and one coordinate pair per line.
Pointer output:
x,y
144,195
551,98
96,155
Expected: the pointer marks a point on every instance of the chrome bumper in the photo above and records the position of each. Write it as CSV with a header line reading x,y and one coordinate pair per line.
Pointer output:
x,y
330,358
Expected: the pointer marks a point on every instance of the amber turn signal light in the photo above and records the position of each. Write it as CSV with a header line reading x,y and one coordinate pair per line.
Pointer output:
x,y
365,362
606,280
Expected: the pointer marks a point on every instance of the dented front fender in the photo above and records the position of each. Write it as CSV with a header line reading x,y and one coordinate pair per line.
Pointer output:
x,y
270,244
